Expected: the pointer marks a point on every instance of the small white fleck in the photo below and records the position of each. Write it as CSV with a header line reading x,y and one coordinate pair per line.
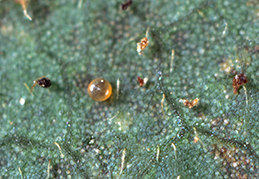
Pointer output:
x,y
22,101
138,47
242,32
91,141
234,164
201,51
145,80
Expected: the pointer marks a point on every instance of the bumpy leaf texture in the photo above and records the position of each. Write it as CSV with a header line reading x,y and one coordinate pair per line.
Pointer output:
x,y
139,132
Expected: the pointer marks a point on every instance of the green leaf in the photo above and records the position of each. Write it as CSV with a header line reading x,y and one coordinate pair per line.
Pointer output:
x,y
139,132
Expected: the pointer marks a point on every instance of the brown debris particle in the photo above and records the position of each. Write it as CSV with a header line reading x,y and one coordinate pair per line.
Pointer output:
x,y
143,43
141,81
126,5
189,104
238,81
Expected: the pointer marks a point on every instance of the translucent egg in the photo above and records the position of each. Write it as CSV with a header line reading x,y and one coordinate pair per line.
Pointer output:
x,y
99,89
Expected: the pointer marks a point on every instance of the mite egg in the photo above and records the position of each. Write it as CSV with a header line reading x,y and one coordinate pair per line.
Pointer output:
x,y
99,89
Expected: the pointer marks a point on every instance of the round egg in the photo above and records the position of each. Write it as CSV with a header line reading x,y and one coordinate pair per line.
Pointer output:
x,y
99,89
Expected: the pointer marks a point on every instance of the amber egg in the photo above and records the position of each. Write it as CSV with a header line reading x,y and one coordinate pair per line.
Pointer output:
x,y
99,89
